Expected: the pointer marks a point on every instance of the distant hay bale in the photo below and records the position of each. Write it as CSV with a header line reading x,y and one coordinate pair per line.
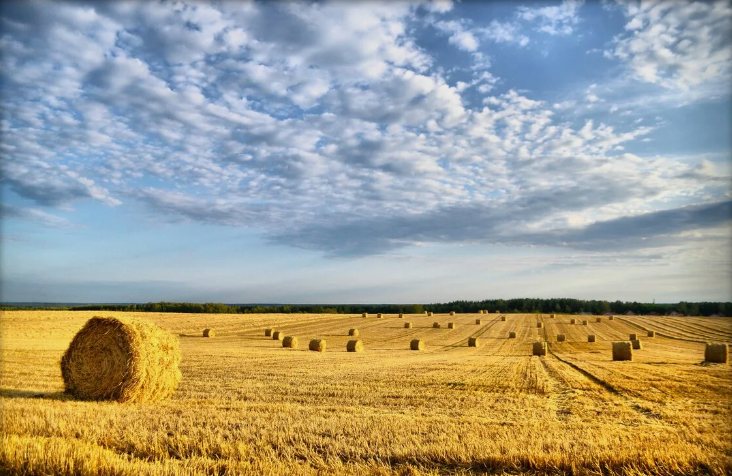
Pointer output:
x,y
584,322
599,319
651,333
553,316
633,337
539,348
503,318
473,342
622,351
511,335
573,321
591,338
452,313
407,325
425,313
716,353
479,321
317,345
290,342
268,332
121,359
636,344
610,318
379,316
278,335
401,315
436,325
365,314
353,332
416,344
430,314
209,333
539,325
355,345
451,325
561,338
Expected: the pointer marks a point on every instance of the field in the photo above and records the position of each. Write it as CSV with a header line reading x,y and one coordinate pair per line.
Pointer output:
x,y
248,406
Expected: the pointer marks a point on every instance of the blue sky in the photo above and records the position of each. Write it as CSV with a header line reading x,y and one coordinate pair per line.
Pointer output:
x,y
365,152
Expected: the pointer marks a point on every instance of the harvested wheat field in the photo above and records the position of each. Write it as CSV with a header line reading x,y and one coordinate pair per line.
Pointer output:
x,y
247,406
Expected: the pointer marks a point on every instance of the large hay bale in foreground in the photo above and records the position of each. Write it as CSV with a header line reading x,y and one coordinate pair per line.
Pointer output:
x,y
651,334
209,333
121,359
290,342
317,345
268,332
416,344
622,351
591,338
353,332
354,345
511,335
407,325
573,321
539,348
503,318
478,321
278,335
636,344
561,338
436,325
716,353
632,337
451,325
540,325
473,342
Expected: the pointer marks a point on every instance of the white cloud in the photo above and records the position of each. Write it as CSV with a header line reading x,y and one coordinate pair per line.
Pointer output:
x,y
553,20
460,36
504,32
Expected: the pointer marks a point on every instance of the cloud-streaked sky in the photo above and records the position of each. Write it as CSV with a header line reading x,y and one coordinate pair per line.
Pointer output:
x,y
365,151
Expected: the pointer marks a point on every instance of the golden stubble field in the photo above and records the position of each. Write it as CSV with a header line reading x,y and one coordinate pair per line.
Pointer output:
x,y
248,406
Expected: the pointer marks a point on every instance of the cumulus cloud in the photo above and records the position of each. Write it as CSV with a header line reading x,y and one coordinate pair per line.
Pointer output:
x,y
553,20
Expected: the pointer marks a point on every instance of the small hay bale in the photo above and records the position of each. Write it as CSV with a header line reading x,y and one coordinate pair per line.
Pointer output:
x,y
355,345
539,348
622,351
401,315
478,321
716,353
209,333
539,325
573,321
365,314
416,344
452,313
353,332
451,325
379,316
591,338
268,332
290,342
633,337
561,338
430,314
599,319
636,344
425,313
122,359
278,335
511,335
317,345
436,325
473,341
503,318
584,322
610,318
407,325
553,316
651,334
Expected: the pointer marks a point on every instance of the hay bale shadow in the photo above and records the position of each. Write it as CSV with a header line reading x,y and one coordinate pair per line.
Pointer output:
x,y
15,393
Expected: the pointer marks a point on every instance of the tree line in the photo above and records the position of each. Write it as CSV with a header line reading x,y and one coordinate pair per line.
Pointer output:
x,y
522,305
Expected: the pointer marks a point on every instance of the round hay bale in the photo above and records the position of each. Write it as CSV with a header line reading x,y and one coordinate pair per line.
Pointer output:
x,y
478,321
561,338
539,348
451,325
511,335
268,332
425,313
633,337
539,325
452,313
622,351
584,322
365,314
651,333
209,333
407,325
573,321
278,335
121,359
317,345
610,318
473,341
636,344
416,344
591,338
379,316
401,315
503,318
353,332
599,319
716,353
553,316
290,342
430,313
354,345
436,325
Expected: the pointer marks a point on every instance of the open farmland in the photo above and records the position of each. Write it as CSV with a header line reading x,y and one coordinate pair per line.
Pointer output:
x,y
246,405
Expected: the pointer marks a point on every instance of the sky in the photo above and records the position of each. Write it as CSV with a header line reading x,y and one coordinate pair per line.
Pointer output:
x,y
365,152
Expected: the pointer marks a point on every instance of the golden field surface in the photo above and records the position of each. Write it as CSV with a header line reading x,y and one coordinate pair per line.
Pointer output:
x,y
248,406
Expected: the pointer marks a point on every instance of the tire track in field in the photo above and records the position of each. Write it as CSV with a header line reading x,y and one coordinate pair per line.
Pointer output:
x,y
484,328
658,333
693,329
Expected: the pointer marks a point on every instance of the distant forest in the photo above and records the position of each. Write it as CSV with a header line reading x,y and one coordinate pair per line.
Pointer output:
x,y
524,305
